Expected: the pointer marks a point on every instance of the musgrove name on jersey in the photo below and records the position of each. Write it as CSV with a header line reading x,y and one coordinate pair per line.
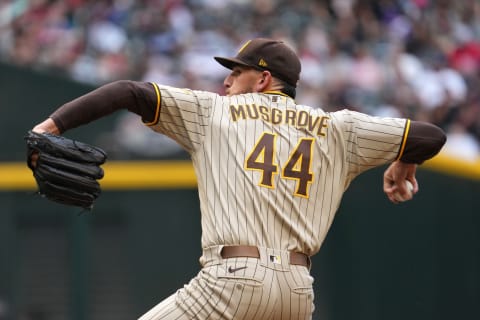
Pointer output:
x,y
297,118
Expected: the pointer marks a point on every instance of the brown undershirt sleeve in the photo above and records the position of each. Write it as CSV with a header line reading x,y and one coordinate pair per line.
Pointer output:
x,y
138,97
424,140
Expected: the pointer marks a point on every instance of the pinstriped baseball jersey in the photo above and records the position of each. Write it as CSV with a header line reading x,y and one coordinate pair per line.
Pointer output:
x,y
272,173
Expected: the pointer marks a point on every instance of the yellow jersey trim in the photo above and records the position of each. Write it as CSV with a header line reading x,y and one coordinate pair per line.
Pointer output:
x,y
157,110
277,92
404,141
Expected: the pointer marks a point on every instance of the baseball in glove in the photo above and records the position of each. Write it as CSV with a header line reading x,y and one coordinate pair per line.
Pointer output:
x,y
66,171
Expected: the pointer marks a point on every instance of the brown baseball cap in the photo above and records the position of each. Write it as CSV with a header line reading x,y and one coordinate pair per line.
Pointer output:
x,y
267,54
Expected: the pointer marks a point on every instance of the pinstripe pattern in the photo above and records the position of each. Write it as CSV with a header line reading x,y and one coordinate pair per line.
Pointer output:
x,y
243,203
256,291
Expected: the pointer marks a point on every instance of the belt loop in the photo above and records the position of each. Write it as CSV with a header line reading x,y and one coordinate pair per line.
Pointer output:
x,y
211,255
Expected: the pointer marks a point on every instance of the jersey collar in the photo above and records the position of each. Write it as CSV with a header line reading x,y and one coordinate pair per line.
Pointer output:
x,y
275,92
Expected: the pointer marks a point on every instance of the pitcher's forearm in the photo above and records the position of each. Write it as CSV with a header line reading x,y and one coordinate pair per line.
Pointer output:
x,y
137,97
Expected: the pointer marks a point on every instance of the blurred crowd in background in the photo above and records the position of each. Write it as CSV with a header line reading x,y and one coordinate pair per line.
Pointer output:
x,y
407,58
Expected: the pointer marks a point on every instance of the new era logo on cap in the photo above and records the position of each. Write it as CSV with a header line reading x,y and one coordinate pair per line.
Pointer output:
x,y
262,63
267,54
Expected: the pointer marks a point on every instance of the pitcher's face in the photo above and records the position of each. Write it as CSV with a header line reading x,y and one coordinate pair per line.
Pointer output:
x,y
242,80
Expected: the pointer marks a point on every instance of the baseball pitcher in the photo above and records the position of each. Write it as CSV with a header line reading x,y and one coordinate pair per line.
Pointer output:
x,y
271,175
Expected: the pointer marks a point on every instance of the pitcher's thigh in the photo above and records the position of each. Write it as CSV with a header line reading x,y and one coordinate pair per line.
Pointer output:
x,y
297,295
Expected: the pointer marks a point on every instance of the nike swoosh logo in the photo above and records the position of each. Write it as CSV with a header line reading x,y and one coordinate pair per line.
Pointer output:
x,y
232,270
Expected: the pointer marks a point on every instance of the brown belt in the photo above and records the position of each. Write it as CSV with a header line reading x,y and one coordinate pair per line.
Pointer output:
x,y
296,258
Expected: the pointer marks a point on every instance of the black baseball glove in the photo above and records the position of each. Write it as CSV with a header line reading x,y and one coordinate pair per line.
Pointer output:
x,y
66,171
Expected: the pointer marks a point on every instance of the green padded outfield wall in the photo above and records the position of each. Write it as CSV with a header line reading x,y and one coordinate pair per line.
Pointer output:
x,y
27,97
418,260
